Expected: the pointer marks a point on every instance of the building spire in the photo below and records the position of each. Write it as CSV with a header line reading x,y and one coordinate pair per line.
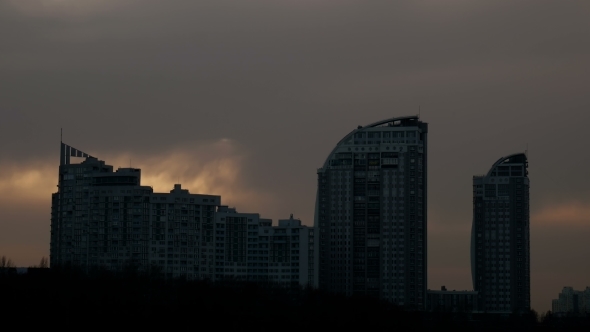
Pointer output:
x,y
62,153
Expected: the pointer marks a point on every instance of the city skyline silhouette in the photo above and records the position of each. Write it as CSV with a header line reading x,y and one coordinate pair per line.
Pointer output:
x,y
246,101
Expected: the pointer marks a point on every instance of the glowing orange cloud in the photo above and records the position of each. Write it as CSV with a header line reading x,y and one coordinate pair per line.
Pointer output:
x,y
573,213
210,168
26,183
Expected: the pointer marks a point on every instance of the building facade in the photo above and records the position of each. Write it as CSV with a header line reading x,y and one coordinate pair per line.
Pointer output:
x,y
102,218
371,213
571,301
248,247
555,305
500,239
444,300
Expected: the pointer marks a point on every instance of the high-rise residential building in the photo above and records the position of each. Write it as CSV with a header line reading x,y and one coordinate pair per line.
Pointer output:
x,y
371,213
291,252
572,301
107,219
500,239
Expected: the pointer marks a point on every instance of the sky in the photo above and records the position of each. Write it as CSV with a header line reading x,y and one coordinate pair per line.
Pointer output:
x,y
245,99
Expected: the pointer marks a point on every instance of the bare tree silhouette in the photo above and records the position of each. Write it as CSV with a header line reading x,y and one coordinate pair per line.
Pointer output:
x,y
44,263
6,262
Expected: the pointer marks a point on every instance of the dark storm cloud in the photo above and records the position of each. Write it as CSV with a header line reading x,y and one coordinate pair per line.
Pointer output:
x,y
285,80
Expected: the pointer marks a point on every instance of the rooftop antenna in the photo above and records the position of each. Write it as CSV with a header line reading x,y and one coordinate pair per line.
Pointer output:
x,y
418,111
61,146
526,152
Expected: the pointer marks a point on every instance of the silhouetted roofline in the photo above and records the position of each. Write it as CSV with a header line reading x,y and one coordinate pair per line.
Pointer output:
x,y
372,125
378,123
501,160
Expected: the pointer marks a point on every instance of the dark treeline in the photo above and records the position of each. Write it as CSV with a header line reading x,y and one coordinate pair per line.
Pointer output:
x,y
68,298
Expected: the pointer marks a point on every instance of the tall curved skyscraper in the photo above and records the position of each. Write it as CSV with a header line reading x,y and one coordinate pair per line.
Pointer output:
x,y
371,213
500,240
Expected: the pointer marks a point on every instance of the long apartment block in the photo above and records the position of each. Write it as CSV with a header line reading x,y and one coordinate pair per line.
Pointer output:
x,y
102,218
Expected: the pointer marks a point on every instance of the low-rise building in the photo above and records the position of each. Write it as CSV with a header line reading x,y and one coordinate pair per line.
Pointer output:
x,y
451,301
248,247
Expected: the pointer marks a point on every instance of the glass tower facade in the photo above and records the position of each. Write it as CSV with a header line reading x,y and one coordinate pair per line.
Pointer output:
x,y
371,213
500,239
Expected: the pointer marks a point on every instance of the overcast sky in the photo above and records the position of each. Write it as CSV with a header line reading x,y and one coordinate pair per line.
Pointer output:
x,y
246,99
